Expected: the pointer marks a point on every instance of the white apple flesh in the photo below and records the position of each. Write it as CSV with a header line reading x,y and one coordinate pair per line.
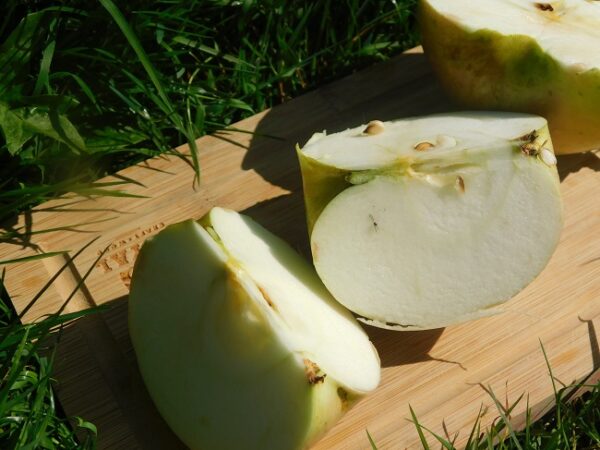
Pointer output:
x,y
432,221
238,342
520,55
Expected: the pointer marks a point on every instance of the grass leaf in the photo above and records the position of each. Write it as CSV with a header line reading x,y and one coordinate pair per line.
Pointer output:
x,y
133,40
419,429
32,257
16,52
371,441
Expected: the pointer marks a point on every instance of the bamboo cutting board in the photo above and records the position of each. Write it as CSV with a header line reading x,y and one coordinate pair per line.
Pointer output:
x,y
440,373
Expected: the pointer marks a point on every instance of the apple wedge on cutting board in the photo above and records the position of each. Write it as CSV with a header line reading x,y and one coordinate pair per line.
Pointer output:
x,y
427,222
239,343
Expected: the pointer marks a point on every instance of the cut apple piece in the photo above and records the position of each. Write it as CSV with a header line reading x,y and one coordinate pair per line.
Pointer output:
x,y
521,55
239,343
433,221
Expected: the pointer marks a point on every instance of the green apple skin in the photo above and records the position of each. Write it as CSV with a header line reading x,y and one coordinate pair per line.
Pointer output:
x,y
484,69
320,183
216,371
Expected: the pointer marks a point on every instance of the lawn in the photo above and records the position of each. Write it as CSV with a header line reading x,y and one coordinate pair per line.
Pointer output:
x,y
90,87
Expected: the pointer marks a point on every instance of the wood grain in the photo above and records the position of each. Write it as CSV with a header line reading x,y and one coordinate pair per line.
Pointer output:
x,y
440,373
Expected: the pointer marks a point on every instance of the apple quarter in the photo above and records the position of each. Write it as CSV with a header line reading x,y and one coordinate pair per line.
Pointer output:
x,y
238,342
432,221
521,55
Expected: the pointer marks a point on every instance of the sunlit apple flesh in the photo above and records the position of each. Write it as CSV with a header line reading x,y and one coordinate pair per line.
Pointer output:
x,y
433,221
238,342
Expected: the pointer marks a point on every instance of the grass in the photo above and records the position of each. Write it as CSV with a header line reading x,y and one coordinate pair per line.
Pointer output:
x,y
29,415
87,88
573,423
140,80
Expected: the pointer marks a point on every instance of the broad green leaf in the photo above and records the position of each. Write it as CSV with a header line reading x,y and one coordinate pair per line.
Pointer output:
x,y
12,126
20,124
57,127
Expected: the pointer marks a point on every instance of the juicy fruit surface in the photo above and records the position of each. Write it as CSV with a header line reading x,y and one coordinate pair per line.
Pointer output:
x,y
312,323
332,163
567,29
192,347
424,256
439,235
442,135
222,355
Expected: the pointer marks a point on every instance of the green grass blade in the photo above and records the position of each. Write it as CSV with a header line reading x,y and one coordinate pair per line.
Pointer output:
x,y
504,416
154,78
419,429
136,46
43,76
557,399
474,434
52,279
371,441
32,257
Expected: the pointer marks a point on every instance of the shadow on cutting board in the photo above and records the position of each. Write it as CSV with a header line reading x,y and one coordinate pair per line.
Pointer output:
x,y
99,381
398,348
401,87
571,164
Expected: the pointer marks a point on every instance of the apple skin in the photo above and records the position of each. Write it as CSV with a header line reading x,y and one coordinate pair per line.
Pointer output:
x,y
484,69
320,184
213,365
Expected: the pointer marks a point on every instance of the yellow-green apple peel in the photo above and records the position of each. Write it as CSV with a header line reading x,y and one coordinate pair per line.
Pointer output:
x,y
521,55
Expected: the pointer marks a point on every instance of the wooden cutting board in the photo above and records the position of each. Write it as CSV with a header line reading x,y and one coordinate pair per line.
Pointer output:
x,y
440,373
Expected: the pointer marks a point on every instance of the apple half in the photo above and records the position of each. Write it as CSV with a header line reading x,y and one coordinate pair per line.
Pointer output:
x,y
239,343
426,222
521,55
